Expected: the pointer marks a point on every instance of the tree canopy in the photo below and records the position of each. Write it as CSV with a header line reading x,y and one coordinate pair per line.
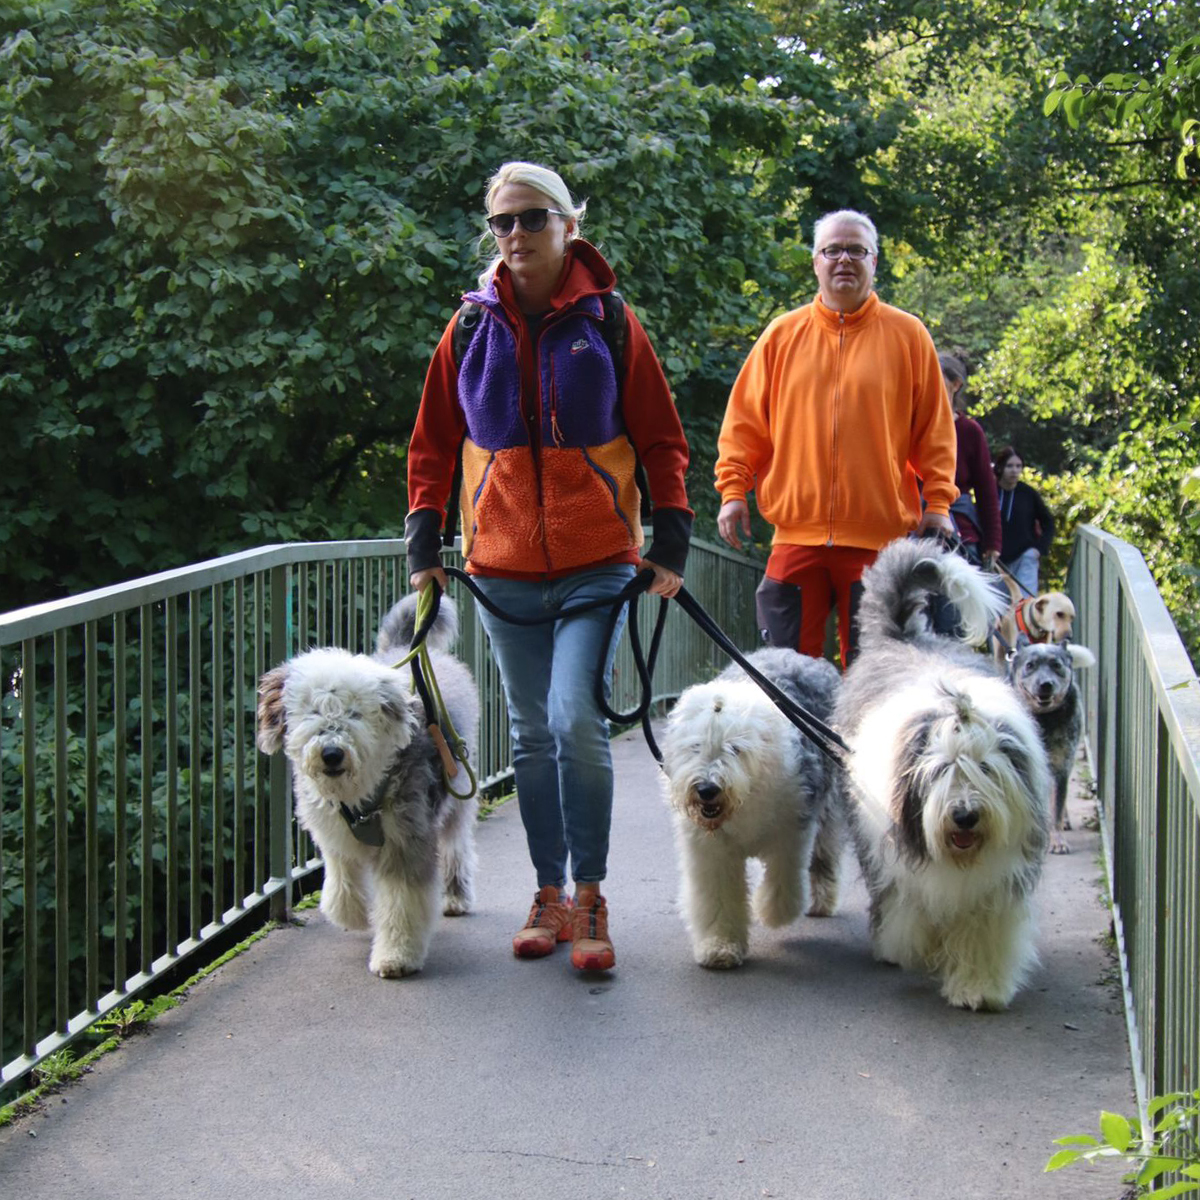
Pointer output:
x,y
232,234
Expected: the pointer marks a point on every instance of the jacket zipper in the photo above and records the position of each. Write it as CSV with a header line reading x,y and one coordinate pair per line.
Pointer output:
x,y
833,455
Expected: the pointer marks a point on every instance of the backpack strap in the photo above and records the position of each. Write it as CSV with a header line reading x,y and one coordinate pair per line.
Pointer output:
x,y
469,316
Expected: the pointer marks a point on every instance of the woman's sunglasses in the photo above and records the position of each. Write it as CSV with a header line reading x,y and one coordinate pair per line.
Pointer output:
x,y
533,220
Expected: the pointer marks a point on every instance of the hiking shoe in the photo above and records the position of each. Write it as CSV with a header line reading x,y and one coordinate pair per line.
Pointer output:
x,y
591,950
549,923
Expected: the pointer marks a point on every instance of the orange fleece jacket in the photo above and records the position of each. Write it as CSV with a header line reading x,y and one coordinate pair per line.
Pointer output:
x,y
830,422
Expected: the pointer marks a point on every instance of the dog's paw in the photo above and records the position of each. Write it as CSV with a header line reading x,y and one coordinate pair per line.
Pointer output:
x,y
456,906
718,954
976,997
824,900
1058,845
344,908
392,966
776,907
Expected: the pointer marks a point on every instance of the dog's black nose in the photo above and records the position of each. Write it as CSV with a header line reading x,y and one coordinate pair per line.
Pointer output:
x,y
965,818
332,756
707,791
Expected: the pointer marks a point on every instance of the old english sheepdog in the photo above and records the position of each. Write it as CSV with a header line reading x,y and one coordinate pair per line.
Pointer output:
x,y
744,783
946,781
1043,674
371,787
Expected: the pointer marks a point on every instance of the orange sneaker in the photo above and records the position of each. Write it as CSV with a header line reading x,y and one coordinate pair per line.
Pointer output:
x,y
549,923
591,949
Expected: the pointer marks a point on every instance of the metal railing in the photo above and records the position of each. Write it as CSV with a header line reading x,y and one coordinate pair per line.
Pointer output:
x,y
137,818
1143,725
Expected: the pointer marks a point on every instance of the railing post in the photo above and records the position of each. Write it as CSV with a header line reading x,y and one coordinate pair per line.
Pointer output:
x,y
280,822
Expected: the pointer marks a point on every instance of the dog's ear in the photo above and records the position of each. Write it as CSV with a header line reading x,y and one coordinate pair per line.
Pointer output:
x,y
272,723
398,702
908,796
1081,656
1022,642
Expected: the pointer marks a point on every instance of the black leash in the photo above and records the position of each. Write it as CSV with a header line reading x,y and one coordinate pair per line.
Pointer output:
x,y
827,740
1005,571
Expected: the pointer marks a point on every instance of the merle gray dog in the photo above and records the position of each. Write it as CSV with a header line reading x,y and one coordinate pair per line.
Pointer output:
x,y
1043,674
370,784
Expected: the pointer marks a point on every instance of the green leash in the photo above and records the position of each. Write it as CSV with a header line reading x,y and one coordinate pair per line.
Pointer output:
x,y
452,749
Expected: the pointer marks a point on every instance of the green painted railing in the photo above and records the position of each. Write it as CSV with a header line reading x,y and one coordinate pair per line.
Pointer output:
x,y
137,818
1143,722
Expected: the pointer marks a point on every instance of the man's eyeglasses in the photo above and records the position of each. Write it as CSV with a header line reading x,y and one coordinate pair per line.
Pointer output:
x,y
834,252
533,220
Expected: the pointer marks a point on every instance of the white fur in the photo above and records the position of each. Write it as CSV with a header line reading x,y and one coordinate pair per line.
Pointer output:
x,y
947,778
348,723
743,783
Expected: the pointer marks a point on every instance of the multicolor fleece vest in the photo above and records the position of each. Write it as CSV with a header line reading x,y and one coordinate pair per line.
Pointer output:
x,y
567,497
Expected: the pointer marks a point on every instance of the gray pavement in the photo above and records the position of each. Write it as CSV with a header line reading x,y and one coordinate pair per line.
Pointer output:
x,y
813,1073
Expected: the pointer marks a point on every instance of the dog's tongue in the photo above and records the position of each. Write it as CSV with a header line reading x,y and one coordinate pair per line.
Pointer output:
x,y
963,840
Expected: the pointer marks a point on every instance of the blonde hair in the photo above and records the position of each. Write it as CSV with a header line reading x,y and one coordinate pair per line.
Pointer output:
x,y
541,179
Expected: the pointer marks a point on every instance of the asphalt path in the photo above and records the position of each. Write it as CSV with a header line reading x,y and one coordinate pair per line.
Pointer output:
x,y
812,1073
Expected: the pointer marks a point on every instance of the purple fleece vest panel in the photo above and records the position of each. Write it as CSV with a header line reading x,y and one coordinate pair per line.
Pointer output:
x,y
489,384
579,403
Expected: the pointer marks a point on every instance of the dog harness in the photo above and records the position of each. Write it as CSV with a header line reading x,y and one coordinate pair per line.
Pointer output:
x,y
1023,624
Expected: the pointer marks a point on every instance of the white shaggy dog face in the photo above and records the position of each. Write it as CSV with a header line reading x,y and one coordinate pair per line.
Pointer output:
x,y
964,782
340,717
722,737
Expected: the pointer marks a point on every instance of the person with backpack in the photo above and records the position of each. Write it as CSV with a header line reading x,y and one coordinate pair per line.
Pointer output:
x,y
547,391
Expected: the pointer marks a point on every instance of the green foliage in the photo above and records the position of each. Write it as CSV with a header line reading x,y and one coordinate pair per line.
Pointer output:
x,y
122,1022
233,233
56,1069
1167,102
1172,1146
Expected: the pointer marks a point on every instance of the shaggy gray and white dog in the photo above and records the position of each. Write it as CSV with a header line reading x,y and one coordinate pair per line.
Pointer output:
x,y
1043,674
946,782
744,783
356,735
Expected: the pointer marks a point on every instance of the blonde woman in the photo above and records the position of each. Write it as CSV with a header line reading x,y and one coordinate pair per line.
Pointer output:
x,y
550,430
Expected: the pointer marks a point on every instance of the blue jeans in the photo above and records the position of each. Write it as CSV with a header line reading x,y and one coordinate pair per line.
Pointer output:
x,y
1024,569
561,755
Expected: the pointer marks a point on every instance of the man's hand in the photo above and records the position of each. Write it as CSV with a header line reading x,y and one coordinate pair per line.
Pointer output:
x,y
935,521
734,518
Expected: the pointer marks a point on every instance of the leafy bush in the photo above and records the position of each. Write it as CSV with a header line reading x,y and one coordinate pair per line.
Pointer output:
x,y
1172,1146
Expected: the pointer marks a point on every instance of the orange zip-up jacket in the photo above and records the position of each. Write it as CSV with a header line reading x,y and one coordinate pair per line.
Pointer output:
x,y
830,422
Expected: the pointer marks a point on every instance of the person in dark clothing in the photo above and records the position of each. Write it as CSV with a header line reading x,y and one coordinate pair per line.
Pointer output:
x,y
1026,524
976,512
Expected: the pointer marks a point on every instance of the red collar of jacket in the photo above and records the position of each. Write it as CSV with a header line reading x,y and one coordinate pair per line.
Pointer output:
x,y
587,274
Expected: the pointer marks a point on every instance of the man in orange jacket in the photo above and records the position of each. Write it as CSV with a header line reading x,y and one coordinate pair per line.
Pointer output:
x,y
838,411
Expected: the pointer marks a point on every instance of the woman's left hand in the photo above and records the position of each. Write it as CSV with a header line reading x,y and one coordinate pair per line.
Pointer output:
x,y
666,582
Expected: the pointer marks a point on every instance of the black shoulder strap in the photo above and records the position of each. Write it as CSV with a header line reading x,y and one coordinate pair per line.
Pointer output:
x,y
469,315
613,329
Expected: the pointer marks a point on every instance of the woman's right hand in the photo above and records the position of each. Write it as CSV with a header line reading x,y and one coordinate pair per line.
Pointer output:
x,y
420,580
